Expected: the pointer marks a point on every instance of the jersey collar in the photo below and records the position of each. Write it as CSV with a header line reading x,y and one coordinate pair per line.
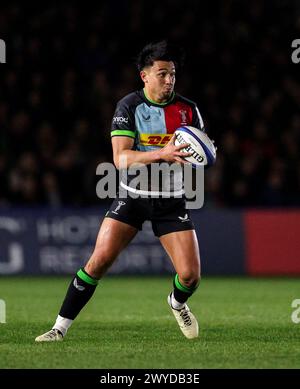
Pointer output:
x,y
149,101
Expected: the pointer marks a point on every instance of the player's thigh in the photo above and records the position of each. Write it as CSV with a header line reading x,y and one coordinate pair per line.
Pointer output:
x,y
183,249
112,238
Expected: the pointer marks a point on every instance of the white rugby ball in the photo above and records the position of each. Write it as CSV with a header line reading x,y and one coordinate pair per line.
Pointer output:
x,y
203,149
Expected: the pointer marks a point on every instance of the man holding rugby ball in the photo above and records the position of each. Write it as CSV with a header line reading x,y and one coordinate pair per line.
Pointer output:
x,y
142,133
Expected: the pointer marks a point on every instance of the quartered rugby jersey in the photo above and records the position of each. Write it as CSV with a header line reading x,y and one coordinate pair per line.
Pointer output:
x,y
150,124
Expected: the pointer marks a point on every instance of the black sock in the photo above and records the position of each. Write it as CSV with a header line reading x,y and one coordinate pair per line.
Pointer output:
x,y
182,292
80,291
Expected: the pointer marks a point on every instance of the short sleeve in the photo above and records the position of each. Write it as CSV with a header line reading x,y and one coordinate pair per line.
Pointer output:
x,y
123,121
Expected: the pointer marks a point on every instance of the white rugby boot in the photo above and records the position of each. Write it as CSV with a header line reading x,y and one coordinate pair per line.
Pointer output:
x,y
186,320
50,336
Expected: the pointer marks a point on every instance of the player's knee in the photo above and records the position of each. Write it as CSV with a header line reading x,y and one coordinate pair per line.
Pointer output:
x,y
190,278
99,261
103,256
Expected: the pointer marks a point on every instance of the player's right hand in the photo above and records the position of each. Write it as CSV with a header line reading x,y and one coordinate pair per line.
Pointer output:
x,y
172,153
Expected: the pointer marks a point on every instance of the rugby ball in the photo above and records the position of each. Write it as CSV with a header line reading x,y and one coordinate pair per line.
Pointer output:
x,y
203,149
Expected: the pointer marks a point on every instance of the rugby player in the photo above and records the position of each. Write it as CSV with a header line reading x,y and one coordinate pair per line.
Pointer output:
x,y
142,129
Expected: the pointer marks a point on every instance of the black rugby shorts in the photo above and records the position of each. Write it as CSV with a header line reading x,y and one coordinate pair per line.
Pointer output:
x,y
166,214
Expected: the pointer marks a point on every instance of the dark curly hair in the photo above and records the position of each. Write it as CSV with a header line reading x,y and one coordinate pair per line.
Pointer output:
x,y
160,51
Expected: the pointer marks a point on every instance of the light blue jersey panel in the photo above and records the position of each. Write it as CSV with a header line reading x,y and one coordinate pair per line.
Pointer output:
x,y
149,120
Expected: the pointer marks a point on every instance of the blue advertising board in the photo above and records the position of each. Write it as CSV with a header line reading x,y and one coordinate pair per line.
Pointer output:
x,y
46,241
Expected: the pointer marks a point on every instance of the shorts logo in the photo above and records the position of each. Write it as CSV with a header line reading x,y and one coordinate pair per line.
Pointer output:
x,y
118,207
184,219
154,139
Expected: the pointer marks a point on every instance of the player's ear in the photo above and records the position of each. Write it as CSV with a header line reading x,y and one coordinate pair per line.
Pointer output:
x,y
144,76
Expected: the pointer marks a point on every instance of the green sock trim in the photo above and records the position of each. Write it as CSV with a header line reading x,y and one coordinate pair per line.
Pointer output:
x,y
183,288
85,277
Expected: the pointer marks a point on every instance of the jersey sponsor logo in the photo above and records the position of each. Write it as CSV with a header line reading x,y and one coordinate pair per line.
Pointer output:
x,y
120,120
155,139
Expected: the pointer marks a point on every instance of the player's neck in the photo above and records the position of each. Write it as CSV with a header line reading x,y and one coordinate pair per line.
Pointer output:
x,y
156,99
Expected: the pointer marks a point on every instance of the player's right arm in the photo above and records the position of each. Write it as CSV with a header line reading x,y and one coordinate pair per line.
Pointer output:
x,y
125,157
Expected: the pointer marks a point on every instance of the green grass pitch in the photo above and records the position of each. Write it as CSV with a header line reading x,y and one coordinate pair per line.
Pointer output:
x,y
244,323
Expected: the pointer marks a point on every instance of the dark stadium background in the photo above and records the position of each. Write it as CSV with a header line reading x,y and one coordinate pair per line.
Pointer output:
x,y
68,65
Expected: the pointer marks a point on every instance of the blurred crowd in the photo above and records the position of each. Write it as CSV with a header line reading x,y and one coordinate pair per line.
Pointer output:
x,y
67,66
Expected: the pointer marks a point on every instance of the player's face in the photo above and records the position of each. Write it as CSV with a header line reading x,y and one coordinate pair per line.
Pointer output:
x,y
159,80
